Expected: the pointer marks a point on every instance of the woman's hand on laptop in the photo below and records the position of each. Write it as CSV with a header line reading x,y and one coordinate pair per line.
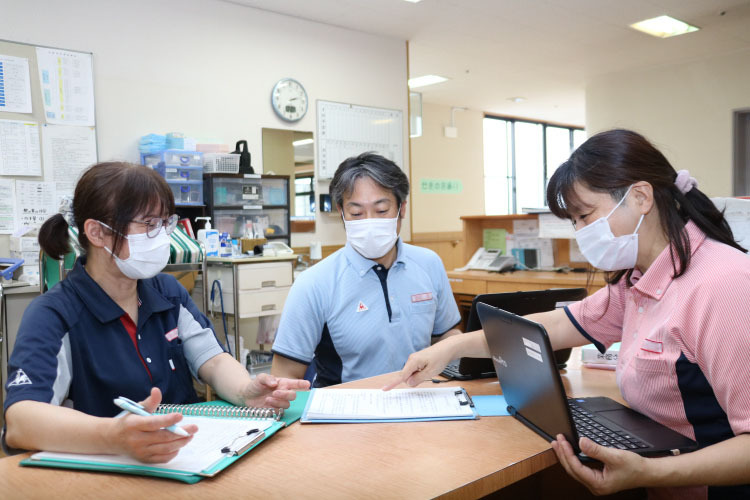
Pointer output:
x,y
425,364
622,469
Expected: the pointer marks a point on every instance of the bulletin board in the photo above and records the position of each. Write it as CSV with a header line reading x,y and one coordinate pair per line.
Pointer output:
x,y
346,130
47,130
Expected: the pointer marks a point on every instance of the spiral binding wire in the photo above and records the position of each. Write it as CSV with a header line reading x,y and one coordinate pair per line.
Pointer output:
x,y
222,411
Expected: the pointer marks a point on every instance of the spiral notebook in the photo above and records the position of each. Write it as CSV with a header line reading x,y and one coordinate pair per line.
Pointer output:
x,y
225,433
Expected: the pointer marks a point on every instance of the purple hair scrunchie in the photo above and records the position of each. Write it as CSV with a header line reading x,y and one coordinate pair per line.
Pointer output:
x,y
684,182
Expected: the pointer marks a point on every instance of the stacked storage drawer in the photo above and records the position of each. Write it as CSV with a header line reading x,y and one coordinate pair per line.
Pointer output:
x,y
183,171
261,287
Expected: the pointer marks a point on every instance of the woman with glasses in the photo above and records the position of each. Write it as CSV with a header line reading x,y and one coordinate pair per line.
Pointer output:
x,y
115,327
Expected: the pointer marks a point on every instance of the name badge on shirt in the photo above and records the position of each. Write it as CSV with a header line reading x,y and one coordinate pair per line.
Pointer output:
x,y
652,346
171,335
421,297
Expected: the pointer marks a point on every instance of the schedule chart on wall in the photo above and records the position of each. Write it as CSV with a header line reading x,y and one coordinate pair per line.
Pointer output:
x,y
346,130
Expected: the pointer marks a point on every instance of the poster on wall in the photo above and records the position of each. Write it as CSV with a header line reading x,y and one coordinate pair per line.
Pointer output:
x,y
15,85
67,85
19,148
7,206
35,203
67,152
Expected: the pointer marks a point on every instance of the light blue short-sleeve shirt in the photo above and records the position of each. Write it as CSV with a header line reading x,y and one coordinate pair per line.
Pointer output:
x,y
337,315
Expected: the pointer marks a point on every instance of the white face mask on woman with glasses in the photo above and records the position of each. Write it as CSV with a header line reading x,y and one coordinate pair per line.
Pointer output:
x,y
149,251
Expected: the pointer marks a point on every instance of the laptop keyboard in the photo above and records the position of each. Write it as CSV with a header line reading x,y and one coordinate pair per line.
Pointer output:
x,y
451,370
600,434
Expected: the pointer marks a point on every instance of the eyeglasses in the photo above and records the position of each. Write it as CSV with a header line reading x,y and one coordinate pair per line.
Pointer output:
x,y
153,226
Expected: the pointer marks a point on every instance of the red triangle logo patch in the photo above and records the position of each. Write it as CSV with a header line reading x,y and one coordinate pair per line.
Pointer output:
x,y
361,307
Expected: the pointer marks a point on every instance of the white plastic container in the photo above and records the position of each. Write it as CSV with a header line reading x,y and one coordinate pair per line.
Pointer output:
x,y
209,237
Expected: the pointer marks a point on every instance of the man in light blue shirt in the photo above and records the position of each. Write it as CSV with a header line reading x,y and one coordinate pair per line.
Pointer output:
x,y
364,309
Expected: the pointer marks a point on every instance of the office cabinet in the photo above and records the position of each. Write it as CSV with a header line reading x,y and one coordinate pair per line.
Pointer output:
x,y
249,203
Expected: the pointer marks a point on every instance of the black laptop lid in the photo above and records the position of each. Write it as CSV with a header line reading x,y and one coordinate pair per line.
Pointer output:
x,y
527,372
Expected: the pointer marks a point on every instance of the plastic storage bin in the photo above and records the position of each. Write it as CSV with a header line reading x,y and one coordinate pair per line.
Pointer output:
x,y
173,173
187,192
275,192
237,192
235,221
221,163
174,158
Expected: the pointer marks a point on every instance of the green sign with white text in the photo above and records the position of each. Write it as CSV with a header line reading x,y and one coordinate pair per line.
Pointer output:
x,y
440,186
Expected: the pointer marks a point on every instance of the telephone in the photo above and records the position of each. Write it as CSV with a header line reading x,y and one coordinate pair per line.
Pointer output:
x,y
490,260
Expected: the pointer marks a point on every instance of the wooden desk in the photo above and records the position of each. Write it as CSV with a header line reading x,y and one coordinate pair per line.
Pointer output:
x,y
398,460
478,282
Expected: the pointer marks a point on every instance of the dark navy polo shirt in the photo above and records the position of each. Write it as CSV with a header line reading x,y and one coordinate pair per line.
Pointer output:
x,y
72,348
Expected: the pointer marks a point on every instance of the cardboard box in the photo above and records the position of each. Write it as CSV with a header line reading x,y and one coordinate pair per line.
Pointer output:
x,y
186,279
247,244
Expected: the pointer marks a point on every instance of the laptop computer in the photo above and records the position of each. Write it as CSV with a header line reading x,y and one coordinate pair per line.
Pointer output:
x,y
533,389
521,303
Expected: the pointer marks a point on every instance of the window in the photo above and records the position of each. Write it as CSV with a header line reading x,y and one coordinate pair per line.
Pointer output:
x,y
519,158
304,196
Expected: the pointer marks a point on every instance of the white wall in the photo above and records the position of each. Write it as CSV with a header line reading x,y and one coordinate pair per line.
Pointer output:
x,y
206,68
433,156
684,109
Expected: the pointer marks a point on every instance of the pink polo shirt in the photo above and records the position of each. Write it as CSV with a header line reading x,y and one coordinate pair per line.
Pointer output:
x,y
683,360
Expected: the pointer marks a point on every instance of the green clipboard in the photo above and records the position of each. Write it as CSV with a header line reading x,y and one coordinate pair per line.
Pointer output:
x,y
291,415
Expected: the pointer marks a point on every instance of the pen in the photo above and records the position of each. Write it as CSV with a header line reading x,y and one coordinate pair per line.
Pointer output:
x,y
133,407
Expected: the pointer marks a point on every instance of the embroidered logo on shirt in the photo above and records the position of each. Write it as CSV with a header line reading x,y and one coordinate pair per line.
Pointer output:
x,y
652,346
21,379
361,307
421,297
171,335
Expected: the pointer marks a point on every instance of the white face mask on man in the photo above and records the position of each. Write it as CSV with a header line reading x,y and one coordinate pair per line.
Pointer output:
x,y
603,249
372,238
148,256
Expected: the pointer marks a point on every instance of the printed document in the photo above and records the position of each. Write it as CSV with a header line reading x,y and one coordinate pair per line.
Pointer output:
x,y
374,404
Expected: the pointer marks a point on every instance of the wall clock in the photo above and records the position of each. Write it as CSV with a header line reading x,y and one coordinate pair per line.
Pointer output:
x,y
289,100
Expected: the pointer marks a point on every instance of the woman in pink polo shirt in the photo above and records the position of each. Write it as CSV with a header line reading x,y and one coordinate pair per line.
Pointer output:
x,y
679,301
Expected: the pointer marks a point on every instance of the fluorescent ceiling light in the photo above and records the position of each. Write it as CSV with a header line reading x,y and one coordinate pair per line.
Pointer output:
x,y
413,1
516,99
664,27
302,142
423,81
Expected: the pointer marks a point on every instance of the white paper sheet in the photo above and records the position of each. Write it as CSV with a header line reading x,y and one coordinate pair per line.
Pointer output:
x,y
7,206
15,84
35,203
737,214
203,451
550,226
67,85
67,151
368,404
19,148
526,227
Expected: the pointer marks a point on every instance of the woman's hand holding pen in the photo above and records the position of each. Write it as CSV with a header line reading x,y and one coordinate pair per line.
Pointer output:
x,y
144,438
268,391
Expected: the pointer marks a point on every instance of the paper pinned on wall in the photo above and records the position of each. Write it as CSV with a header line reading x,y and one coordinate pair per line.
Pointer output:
x,y
15,84
526,227
67,85
550,226
19,148
35,203
737,214
67,152
7,206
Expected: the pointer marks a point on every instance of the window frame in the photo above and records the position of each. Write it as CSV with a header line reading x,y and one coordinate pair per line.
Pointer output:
x,y
512,120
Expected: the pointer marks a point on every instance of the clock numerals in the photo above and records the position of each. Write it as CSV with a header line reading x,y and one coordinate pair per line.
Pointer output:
x,y
289,100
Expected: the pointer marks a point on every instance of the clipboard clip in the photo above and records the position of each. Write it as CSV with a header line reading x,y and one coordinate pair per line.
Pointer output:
x,y
229,451
466,400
